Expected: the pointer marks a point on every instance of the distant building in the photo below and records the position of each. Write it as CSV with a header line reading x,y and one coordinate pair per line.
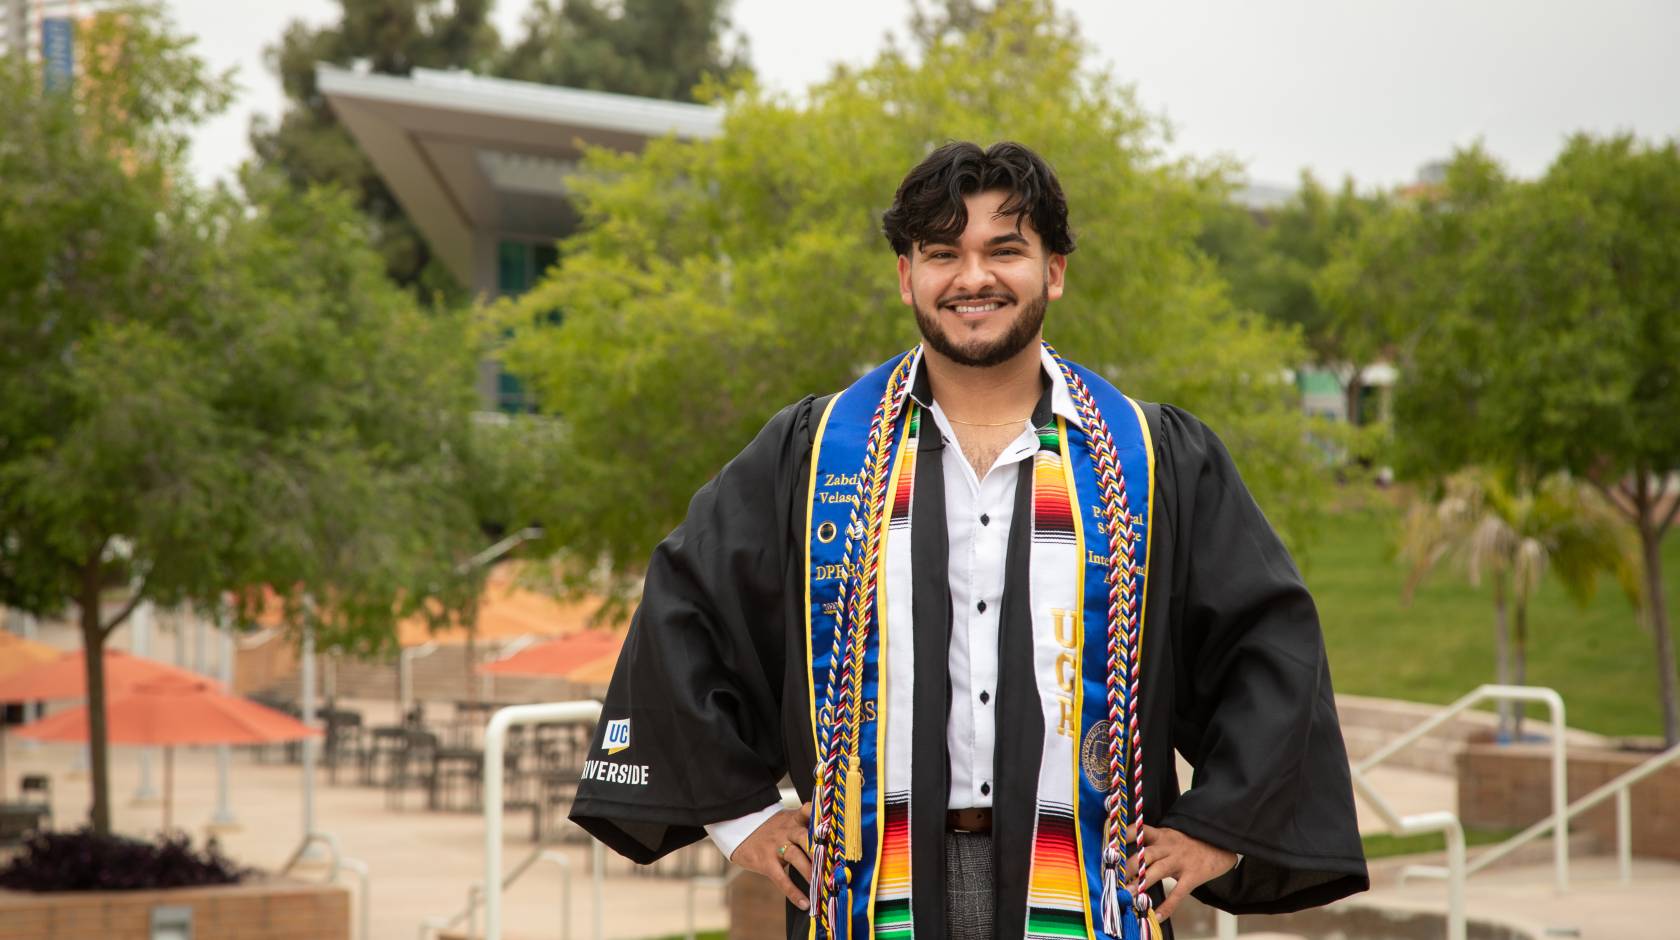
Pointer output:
x,y
1324,392
480,166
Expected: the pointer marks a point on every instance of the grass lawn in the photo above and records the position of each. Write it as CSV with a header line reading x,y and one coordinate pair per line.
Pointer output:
x,y
1441,645
1383,845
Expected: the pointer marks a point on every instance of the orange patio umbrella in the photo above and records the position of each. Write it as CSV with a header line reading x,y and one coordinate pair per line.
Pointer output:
x,y
17,655
66,676
559,658
173,710
598,672
505,610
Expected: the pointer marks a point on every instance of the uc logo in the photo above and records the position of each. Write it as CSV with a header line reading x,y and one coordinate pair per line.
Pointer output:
x,y
618,735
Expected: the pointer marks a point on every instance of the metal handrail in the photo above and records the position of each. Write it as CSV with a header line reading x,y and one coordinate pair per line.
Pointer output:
x,y
434,925
334,857
1443,822
336,862
1447,823
1618,788
1560,763
495,744
359,868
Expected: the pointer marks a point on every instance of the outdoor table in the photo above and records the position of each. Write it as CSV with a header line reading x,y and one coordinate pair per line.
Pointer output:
x,y
470,718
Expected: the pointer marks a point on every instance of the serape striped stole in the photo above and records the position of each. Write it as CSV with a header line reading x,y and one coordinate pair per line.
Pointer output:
x,y
862,661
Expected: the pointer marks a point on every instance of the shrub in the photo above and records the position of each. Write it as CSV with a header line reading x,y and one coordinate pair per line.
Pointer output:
x,y
84,860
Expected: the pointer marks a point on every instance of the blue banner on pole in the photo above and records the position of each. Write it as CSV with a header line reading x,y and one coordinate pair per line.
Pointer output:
x,y
58,51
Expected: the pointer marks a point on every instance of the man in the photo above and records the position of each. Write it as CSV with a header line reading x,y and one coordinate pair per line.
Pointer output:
x,y
971,606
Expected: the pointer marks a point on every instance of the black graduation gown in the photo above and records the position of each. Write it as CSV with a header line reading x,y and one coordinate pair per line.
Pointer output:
x,y
713,681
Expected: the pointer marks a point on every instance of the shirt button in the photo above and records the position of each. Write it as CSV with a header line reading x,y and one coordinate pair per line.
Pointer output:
x,y
985,519
982,606
985,789
985,697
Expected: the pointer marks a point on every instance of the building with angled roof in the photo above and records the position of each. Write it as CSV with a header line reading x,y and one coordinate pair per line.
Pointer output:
x,y
480,165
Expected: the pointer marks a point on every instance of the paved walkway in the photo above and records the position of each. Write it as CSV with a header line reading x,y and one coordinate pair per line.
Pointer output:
x,y
420,862
1597,906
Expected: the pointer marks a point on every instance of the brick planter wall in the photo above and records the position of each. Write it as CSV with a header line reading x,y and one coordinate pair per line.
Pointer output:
x,y
1510,787
257,910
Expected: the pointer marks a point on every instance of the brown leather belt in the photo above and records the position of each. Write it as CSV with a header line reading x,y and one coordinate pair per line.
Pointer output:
x,y
968,820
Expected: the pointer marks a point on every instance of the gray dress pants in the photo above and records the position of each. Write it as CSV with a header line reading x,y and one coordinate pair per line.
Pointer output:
x,y
969,897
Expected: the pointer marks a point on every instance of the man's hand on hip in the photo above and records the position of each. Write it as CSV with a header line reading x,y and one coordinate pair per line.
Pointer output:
x,y
1172,854
779,842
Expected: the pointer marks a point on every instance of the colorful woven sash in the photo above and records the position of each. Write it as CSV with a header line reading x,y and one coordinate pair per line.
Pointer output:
x,y
1087,599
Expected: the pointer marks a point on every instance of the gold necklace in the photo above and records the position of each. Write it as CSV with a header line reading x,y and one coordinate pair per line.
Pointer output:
x,y
980,424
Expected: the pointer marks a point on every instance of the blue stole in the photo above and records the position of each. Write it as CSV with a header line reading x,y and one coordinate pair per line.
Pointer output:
x,y
838,459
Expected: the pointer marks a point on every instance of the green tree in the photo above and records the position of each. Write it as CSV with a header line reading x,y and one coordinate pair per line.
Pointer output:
x,y
1577,364
205,392
715,281
652,48
1490,527
1398,274
1537,329
1272,257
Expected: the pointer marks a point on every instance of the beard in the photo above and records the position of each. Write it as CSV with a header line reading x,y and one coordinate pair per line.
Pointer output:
x,y
978,353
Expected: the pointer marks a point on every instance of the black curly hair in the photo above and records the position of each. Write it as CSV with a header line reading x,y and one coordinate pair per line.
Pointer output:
x,y
929,203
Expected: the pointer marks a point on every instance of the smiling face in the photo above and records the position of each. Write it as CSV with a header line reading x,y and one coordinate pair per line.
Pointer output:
x,y
980,301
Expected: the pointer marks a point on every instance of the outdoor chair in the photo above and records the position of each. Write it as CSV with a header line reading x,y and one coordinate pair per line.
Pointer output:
x,y
555,791
383,751
18,820
265,753
415,766
344,738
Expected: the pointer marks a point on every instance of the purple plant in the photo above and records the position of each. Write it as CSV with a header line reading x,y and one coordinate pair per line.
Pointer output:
x,y
84,860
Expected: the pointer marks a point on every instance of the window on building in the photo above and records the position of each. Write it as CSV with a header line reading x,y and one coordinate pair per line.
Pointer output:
x,y
519,265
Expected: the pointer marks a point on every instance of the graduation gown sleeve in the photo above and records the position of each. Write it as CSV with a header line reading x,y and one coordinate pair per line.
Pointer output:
x,y
1253,711
700,677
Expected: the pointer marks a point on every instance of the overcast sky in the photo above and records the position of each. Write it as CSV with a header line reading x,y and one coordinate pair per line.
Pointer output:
x,y
1373,88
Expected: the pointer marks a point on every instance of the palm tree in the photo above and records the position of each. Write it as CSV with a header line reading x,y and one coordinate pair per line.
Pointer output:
x,y
1492,528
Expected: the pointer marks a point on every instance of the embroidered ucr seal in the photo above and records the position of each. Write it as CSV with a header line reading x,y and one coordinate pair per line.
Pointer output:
x,y
1093,756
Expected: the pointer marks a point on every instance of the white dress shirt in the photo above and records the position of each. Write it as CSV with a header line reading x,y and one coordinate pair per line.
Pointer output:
x,y
978,513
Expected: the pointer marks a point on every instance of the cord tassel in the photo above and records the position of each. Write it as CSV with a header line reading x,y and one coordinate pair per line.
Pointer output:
x,y
1154,926
854,810
1111,902
818,856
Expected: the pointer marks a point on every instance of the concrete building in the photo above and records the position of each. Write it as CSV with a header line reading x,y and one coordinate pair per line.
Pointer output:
x,y
480,167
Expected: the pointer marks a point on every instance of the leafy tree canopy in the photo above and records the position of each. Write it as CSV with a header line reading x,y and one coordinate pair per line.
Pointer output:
x,y
205,392
715,281
1538,330
653,48
1272,259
